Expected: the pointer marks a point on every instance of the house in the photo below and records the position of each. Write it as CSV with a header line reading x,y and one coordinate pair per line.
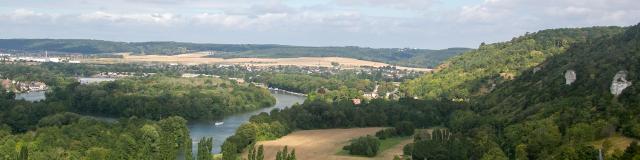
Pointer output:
x,y
6,84
238,80
356,101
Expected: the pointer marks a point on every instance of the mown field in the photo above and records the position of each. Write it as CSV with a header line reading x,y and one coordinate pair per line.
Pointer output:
x,y
325,144
201,58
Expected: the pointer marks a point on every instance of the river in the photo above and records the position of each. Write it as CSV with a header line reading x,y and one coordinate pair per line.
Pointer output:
x,y
231,123
199,129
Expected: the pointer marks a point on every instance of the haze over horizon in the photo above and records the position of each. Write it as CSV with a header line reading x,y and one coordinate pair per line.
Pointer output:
x,y
430,24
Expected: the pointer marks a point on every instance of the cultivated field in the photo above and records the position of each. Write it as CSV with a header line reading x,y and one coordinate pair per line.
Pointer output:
x,y
324,144
200,58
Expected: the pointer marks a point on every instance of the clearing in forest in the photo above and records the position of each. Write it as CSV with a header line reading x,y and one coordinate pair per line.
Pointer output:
x,y
325,143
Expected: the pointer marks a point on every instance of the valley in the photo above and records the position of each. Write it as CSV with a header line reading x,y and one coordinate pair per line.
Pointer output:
x,y
571,92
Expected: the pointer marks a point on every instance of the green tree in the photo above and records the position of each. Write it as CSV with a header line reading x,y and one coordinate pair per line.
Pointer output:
x,y
494,153
204,149
23,154
521,152
405,128
229,151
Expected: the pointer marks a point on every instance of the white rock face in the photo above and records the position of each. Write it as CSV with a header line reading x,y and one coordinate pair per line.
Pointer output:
x,y
570,77
619,83
536,69
493,87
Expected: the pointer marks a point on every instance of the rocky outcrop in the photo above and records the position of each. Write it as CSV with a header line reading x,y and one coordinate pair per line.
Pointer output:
x,y
536,69
570,77
619,83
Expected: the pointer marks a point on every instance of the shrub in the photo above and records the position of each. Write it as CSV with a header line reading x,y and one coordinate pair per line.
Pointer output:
x,y
386,133
364,146
405,128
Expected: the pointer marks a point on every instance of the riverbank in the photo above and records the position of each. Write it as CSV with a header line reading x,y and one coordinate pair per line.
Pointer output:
x,y
285,91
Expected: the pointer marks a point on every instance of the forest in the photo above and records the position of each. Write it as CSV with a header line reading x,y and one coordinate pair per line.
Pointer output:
x,y
156,97
303,83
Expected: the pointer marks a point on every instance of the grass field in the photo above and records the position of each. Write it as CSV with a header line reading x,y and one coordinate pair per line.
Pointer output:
x,y
200,58
324,144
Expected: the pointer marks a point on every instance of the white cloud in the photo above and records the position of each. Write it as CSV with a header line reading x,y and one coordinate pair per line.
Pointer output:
x,y
148,18
578,12
396,4
332,22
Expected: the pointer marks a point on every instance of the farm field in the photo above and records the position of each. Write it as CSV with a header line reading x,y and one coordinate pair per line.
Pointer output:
x,y
200,58
324,144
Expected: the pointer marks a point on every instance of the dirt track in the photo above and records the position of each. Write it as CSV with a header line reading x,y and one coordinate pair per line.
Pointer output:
x,y
324,144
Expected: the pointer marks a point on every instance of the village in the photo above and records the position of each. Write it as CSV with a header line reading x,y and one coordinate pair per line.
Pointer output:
x,y
23,86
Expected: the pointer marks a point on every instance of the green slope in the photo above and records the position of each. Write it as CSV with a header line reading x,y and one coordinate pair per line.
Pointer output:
x,y
595,63
555,120
474,73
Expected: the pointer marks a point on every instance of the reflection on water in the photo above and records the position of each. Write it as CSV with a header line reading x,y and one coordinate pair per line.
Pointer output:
x,y
89,80
231,123
31,96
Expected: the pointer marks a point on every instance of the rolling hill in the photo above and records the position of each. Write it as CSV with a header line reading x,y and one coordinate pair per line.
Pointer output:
x,y
396,56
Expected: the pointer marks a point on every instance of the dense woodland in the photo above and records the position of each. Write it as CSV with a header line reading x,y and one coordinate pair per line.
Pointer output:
x,y
156,97
303,83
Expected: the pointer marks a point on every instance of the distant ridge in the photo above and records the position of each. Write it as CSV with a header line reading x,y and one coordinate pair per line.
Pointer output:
x,y
396,56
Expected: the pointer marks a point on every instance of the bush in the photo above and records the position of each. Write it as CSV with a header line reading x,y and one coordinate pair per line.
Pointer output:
x,y
364,146
386,133
405,128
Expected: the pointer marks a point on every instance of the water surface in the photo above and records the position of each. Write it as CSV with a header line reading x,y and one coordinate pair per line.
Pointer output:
x,y
31,96
231,123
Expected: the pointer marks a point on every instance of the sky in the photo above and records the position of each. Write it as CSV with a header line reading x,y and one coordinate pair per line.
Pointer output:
x,y
429,24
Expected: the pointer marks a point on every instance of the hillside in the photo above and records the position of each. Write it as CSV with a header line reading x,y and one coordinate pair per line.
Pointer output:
x,y
404,57
571,100
85,46
596,64
477,72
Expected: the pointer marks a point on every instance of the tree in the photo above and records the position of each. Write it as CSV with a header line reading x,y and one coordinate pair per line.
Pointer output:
x,y
631,152
521,152
285,155
256,155
23,154
494,153
260,155
405,128
365,146
229,151
204,148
